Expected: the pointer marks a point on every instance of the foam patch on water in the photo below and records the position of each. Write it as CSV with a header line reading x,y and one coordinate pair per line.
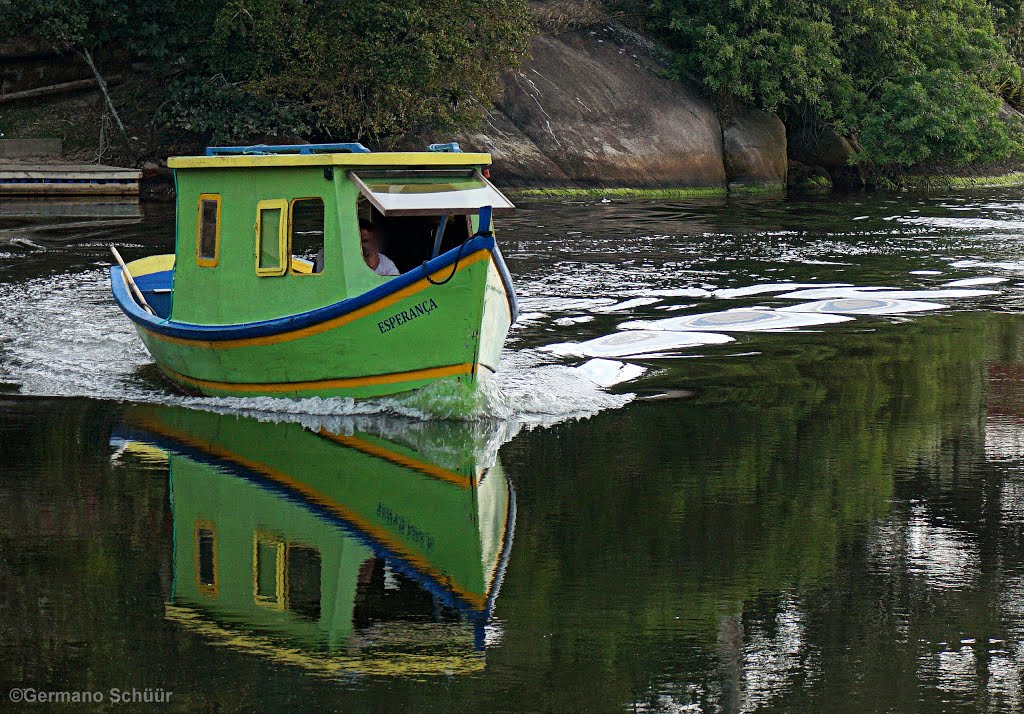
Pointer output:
x,y
637,342
607,373
737,320
936,294
543,393
967,282
864,306
627,304
729,293
1014,265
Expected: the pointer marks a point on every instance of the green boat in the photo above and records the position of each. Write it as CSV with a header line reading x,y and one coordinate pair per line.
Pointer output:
x,y
271,292
341,553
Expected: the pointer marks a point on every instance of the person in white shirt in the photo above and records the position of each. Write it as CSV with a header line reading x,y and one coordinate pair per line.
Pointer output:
x,y
370,241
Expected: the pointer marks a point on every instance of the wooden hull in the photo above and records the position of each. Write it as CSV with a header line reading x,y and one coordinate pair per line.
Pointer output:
x,y
401,336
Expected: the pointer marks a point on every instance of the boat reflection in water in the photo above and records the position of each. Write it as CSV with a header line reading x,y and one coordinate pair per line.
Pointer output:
x,y
334,549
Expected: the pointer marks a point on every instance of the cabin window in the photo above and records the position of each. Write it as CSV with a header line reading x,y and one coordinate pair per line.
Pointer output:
x,y
271,236
208,230
206,558
303,574
268,570
307,235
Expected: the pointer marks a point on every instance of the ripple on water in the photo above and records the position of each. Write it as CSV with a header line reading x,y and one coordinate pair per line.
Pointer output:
x,y
738,320
864,306
750,290
637,342
889,293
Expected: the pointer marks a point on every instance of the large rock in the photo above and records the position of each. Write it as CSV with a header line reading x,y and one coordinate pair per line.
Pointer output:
x,y
516,160
593,103
755,151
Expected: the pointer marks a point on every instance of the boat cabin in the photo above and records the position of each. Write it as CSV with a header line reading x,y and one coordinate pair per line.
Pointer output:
x,y
264,232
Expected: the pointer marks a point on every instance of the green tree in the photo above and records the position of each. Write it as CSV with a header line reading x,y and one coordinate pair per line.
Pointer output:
x,y
248,70
912,82
374,71
141,28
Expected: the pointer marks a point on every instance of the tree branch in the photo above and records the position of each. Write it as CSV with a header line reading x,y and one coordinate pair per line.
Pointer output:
x,y
103,88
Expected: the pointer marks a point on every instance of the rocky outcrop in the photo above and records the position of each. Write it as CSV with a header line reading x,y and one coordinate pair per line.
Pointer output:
x,y
517,160
755,151
591,107
592,104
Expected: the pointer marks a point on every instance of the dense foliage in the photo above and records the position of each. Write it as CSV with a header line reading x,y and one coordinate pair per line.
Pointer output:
x,y
253,70
910,82
371,70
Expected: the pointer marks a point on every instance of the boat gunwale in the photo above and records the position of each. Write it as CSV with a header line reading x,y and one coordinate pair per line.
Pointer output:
x,y
298,321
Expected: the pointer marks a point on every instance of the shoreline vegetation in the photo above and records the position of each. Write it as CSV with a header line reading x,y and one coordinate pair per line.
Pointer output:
x,y
919,96
909,184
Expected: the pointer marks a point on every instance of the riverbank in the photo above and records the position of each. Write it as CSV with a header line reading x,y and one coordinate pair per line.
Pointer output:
x,y
589,114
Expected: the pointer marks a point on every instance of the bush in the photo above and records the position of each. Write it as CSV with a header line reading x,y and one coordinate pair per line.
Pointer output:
x,y
910,81
931,117
373,71
247,70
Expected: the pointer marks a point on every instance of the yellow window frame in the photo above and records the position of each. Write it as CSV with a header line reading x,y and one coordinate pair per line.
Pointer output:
x,y
277,602
200,260
206,588
283,251
302,268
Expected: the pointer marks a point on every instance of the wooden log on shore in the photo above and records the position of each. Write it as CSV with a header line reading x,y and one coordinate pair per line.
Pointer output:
x,y
62,88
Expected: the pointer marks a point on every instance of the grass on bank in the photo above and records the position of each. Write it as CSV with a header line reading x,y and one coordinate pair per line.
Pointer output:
x,y
627,193
1012,179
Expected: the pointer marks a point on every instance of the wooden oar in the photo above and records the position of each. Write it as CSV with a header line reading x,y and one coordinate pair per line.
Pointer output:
x,y
131,282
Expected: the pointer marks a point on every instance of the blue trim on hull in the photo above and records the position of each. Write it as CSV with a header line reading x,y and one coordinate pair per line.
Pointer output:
x,y
290,323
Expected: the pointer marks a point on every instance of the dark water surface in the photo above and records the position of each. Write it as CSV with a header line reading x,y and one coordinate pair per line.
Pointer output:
x,y
827,519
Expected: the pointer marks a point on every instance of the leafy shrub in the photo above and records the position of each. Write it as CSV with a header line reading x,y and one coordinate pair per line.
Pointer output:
x,y
246,70
374,71
910,81
222,113
930,117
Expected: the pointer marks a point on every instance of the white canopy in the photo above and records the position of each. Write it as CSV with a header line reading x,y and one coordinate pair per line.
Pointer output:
x,y
429,193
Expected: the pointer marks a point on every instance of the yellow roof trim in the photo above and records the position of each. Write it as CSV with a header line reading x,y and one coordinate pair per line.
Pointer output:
x,y
407,158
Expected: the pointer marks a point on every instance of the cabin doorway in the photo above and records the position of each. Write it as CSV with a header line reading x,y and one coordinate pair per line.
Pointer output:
x,y
409,240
